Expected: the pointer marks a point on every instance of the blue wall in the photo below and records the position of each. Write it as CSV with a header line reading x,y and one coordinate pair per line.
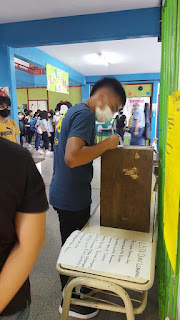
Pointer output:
x,y
8,78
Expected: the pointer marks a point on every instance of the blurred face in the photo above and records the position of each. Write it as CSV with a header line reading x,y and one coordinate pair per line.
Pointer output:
x,y
20,116
106,105
57,112
135,106
49,115
4,110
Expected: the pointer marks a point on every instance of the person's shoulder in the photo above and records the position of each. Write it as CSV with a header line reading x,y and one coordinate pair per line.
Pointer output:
x,y
81,108
12,122
13,150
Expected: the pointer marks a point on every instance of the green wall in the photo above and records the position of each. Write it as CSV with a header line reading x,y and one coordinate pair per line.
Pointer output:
x,y
22,96
37,94
74,96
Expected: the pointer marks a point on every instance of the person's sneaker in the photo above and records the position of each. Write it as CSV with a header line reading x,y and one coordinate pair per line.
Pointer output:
x,y
48,152
81,312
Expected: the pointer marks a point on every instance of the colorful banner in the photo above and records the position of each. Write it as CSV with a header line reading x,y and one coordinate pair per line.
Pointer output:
x,y
172,178
57,80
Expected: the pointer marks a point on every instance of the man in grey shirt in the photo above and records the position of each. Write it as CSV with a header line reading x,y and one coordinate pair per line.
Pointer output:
x,y
138,126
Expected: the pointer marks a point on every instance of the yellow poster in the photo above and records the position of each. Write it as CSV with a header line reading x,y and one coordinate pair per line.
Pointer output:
x,y
172,178
57,80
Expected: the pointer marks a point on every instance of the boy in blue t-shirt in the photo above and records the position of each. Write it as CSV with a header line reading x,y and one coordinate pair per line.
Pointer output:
x,y
74,151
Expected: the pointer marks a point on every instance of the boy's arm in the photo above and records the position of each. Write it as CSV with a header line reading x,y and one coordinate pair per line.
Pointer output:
x,y
78,154
30,230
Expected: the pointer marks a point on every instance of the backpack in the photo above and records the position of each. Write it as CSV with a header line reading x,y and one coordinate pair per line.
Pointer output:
x,y
32,124
147,131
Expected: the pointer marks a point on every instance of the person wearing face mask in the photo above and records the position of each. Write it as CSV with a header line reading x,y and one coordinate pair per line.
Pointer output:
x,y
57,116
120,124
8,128
74,151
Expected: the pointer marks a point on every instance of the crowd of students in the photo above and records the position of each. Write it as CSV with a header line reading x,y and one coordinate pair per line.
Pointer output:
x,y
41,125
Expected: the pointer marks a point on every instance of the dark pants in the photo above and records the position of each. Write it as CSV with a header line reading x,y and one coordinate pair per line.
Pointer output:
x,y
22,139
137,140
29,135
45,140
70,221
120,131
51,140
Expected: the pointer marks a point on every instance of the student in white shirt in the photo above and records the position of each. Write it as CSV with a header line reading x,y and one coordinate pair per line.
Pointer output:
x,y
57,115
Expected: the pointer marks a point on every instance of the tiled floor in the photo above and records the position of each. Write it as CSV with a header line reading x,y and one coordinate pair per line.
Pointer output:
x,y
45,283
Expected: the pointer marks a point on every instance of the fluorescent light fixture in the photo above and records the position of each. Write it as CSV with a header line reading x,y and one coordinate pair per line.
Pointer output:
x,y
104,58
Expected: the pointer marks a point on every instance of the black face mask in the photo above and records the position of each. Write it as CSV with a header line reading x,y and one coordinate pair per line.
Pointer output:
x,y
49,116
4,113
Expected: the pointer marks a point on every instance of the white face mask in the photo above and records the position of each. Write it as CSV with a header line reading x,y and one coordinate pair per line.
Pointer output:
x,y
57,113
103,115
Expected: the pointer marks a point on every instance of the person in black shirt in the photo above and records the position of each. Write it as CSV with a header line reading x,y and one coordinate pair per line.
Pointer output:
x,y
120,124
22,227
22,128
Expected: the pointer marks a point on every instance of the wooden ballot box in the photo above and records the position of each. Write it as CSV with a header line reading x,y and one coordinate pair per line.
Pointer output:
x,y
126,177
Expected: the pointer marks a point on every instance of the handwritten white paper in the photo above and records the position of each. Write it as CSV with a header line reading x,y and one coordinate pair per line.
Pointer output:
x,y
116,257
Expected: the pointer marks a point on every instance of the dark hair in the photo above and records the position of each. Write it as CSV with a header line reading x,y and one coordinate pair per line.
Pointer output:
x,y
68,104
5,100
44,115
58,107
36,114
113,84
51,112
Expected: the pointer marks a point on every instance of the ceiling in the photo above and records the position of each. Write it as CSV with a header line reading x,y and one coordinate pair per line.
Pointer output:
x,y
20,10
130,56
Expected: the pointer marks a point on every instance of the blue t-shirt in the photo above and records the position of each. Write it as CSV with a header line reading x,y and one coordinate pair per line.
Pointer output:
x,y
70,188
139,114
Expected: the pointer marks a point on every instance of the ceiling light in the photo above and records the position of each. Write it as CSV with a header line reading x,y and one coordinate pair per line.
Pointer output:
x,y
104,58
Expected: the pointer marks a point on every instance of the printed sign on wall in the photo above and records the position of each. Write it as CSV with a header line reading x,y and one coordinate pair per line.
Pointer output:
x,y
57,80
128,108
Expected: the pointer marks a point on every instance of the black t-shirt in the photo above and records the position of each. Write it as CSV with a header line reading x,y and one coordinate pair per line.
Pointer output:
x,y
21,190
120,122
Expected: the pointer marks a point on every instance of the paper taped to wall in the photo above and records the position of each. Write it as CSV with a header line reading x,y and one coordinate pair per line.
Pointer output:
x,y
105,255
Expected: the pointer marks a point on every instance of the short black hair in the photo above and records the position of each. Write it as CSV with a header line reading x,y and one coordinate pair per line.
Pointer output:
x,y
51,112
111,83
44,115
58,107
5,100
